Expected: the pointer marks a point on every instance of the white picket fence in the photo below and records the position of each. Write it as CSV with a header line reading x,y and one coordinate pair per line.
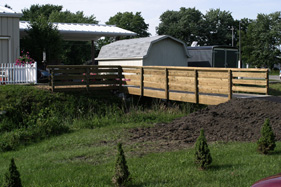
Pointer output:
x,y
10,73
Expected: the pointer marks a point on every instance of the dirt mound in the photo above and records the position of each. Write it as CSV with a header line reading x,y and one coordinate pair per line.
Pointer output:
x,y
235,120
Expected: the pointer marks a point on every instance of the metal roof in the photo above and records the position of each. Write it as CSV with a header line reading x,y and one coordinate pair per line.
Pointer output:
x,y
6,12
81,31
132,48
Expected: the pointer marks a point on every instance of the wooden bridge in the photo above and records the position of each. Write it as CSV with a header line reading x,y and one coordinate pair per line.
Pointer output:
x,y
210,86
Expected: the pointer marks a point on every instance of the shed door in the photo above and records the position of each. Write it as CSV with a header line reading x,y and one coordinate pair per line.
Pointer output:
x,y
5,51
219,58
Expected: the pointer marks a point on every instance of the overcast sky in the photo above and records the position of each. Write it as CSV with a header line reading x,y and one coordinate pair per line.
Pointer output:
x,y
151,10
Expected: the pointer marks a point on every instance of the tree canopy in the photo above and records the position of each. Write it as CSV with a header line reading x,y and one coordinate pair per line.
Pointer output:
x,y
262,40
189,24
69,52
130,21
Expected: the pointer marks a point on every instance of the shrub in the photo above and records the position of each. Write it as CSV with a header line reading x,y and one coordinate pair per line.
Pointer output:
x,y
12,177
202,153
121,175
266,143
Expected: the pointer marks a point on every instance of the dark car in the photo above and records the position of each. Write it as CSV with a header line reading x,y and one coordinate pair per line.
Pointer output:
x,y
42,75
272,181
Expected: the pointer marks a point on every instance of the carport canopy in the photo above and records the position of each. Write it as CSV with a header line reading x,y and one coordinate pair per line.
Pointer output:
x,y
82,31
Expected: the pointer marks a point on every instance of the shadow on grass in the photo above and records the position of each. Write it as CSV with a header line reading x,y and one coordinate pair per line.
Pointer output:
x,y
274,92
277,152
220,167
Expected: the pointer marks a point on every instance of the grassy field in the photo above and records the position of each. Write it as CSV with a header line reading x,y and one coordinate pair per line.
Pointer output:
x,y
84,154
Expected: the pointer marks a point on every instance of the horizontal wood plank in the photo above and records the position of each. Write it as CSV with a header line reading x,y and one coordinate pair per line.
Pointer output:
x,y
249,82
131,90
178,87
180,73
212,100
185,97
249,89
262,75
154,93
203,74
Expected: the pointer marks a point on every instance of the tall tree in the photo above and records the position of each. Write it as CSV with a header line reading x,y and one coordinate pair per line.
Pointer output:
x,y
43,36
185,25
130,21
217,25
262,41
73,52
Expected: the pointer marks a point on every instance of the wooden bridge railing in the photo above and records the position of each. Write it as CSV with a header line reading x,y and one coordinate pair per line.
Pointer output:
x,y
209,86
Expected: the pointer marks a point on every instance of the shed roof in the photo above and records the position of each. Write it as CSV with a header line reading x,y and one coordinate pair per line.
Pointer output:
x,y
7,12
81,31
132,48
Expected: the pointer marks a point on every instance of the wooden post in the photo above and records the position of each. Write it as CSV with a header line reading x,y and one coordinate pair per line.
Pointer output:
x,y
267,82
93,52
229,84
166,84
87,78
141,81
120,78
196,86
52,80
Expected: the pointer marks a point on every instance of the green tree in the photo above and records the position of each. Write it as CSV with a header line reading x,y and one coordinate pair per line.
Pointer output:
x,y
262,40
130,21
266,143
122,174
202,153
72,52
12,177
185,24
43,36
217,26
37,10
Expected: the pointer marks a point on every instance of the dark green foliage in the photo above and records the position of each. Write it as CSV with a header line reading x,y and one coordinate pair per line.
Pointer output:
x,y
266,143
202,153
12,177
67,52
189,24
131,22
122,175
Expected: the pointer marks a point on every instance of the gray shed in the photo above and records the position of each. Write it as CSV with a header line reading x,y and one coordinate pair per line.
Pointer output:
x,y
213,56
9,35
151,51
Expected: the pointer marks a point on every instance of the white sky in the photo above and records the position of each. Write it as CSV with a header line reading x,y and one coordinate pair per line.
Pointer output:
x,y
151,10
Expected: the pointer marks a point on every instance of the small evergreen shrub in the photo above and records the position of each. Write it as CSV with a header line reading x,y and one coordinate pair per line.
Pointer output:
x,y
122,175
266,143
12,177
202,153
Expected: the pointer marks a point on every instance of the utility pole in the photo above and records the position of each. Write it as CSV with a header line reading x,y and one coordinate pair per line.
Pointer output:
x,y
232,29
240,57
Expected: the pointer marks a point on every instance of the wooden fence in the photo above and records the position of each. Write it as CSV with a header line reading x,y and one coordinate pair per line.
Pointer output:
x,y
209,86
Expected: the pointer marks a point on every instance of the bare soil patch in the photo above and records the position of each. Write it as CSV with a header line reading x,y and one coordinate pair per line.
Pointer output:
x,y
235,120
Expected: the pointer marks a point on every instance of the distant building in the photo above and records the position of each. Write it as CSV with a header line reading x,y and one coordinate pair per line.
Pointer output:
x,y
150,51
9,35
213,56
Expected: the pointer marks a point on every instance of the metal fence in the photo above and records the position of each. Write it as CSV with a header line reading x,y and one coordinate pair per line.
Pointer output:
x,y
11,73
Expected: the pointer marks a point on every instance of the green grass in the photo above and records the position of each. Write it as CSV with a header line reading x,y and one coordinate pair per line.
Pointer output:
x,y
275,89
82,158
85,155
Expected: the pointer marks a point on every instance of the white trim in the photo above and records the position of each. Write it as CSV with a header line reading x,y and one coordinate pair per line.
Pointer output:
x,y
10,46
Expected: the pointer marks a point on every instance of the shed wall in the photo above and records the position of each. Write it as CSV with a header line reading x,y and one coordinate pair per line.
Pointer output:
x,y
9,39
166,53
122,62
200,58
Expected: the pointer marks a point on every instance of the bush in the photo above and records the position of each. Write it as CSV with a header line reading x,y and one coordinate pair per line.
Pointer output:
x,y
12,177
121,175
266,143
202,153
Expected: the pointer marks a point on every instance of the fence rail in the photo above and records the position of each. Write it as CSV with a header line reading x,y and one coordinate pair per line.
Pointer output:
x,y
11,73
196,85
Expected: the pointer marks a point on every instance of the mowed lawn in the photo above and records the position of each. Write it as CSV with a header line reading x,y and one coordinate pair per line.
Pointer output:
x,y
86,155
86,158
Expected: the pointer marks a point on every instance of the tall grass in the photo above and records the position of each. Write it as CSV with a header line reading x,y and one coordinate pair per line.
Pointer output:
x,y
33,114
